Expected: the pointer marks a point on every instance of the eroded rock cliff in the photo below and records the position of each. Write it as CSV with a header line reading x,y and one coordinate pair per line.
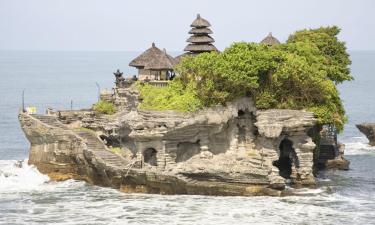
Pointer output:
x,y
224,150
368,129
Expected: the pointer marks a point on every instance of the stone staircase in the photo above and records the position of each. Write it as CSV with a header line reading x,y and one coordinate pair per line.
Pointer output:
x,y
93,143
97,147
50,120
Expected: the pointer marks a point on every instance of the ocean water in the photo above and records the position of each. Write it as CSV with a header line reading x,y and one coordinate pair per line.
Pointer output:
x,y
54,79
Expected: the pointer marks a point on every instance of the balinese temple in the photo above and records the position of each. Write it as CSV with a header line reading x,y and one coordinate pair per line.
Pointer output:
x,y
154,64
270,40
200,40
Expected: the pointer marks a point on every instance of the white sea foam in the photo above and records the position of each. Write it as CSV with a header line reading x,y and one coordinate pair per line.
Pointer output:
x,y
359,147
18,176
34,199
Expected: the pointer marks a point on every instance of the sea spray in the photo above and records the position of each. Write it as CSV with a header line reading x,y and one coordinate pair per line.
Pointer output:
x,y
358,146
18,176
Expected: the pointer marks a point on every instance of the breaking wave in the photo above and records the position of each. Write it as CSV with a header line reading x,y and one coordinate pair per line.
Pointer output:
x,y
358,146
28,197
18,176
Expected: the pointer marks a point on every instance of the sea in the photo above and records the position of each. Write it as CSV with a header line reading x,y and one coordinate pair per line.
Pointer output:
x,y
65,80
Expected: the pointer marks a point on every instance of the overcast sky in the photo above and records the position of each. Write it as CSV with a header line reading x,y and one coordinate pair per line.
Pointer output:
x,y
122,25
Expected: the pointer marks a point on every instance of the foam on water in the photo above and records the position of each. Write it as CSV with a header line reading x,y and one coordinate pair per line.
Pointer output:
x,y
358,146
18,176
28,197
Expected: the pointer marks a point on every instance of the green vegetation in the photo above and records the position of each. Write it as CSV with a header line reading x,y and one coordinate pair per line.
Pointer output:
x,y
175,96
105,107
300,74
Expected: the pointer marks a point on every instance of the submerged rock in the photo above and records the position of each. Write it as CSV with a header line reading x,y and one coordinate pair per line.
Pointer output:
x,y
368,129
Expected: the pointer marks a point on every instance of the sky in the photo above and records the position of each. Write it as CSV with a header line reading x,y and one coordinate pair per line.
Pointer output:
x,y
122,25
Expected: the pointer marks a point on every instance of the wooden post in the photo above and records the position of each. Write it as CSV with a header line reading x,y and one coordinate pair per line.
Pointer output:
x,y
23,100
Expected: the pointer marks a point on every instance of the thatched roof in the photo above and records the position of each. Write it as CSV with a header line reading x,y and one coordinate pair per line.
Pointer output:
x,y
153,59
200,39
200,48
163,62
270,40
201,30
200,22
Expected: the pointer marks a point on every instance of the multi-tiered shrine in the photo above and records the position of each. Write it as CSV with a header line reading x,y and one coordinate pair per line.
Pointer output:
x,y
200,40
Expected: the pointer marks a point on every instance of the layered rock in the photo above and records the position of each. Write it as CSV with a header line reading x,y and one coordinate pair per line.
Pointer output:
x,y
224,150
368,129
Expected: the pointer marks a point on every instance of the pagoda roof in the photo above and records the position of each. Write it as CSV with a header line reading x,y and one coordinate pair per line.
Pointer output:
x,y
200,48
270,40
200,22
200,39
200,30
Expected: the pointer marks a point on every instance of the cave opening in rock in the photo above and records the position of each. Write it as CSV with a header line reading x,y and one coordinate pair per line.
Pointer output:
x,y
285,159
240,113
149,156
186,150
110,140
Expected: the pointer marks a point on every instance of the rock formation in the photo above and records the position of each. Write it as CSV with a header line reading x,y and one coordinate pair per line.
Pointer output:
x,y
224,150
368,129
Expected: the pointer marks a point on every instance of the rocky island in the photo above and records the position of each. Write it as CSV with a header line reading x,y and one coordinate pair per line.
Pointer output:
x,y
175,129
368,129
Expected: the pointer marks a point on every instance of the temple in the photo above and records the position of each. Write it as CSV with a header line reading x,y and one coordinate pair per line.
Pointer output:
x,y
229,149
154,64
200,40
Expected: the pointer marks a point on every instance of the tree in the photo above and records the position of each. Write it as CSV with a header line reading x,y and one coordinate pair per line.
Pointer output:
x,y
300,74
325,39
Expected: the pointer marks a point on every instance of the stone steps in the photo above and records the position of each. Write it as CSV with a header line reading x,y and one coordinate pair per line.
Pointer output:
x,y
50,120
98,148
93,143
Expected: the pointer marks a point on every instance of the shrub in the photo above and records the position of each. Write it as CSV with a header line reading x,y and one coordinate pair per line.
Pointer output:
x,y
300,74
173,97
105,107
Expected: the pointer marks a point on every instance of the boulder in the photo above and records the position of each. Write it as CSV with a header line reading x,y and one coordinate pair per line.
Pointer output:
x,y
368,129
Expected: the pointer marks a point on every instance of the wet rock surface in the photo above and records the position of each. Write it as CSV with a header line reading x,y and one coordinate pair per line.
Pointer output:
x,y
368,129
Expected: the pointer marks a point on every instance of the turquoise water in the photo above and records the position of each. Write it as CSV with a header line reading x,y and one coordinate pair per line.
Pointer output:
x,y
53,79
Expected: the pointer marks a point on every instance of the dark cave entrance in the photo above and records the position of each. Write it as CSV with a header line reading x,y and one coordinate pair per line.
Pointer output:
x,y
149,156
186,150
285,159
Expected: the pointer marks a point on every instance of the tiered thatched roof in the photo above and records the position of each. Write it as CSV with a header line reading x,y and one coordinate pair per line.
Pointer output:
x,y
203,30
200,41
200,22
154,59
270,40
